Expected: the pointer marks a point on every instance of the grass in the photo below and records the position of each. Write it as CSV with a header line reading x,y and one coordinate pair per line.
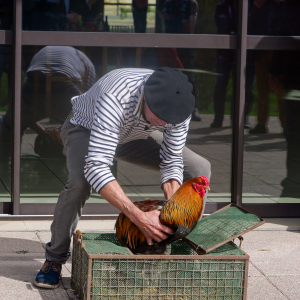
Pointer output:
x,y
22,252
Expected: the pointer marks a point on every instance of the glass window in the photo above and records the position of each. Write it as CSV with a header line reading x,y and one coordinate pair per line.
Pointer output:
x,y
140,16
274,17
272,147
6,120
46,94
6,14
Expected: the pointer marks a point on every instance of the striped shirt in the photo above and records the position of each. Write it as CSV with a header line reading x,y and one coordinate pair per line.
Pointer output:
x,y
111,110
65,61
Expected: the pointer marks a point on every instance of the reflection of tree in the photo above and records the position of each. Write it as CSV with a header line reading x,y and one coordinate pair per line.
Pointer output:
x,y
124,12
205,22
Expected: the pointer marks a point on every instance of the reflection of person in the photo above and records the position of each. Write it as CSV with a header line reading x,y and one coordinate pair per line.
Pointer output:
x,y
54,76
180,16
122,116
286,65
226,18
6,14
6,18
54,15
264,18
6,66
139,12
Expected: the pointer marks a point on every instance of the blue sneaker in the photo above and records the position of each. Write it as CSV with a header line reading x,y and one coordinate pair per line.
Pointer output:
x,y
49,275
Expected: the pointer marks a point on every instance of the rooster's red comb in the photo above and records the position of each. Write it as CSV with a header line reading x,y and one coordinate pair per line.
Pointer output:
x,y
205,181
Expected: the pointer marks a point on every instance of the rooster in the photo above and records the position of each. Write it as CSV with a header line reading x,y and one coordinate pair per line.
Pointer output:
x,y
181,213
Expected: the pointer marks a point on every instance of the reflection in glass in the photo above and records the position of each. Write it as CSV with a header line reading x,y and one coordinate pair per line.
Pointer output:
x,y
273,17
272,147
6,14
128,16
6,84
44,171
55,74
226,22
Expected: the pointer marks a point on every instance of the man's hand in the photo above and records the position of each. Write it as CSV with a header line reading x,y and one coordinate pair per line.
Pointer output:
x,y
151,227
170,187
148,222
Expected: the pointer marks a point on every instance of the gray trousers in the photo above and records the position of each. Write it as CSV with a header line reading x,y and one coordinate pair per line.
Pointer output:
x,y
143,153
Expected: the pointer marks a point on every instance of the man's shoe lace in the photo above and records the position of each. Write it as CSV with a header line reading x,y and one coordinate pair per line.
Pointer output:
x,y
51,265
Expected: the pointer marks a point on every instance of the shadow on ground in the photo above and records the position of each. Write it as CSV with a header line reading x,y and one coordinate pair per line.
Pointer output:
x,y
20,260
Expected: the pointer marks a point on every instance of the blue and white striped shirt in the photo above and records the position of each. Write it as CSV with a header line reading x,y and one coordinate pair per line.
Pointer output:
x,y
110,109
66,61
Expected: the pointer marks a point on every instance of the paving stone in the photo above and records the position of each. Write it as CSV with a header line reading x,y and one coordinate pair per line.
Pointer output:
x,y
274,252
282,223
271,179
252,272
220,177
17,242
259,288
44,237
219,187
263,172
258,200
12,226
17,274
289,285
33,225
98,225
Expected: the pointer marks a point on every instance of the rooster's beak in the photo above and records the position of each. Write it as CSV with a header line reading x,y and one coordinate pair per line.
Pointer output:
x,y
206,187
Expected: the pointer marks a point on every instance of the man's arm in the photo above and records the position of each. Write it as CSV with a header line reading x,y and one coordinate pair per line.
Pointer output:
x,y
171,166
170,187
104,139
148,222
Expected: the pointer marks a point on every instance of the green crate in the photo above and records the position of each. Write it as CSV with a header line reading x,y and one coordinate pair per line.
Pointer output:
x,y
182,274
102,269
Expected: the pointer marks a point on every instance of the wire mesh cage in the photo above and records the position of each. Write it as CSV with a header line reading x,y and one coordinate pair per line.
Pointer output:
x,y
102,269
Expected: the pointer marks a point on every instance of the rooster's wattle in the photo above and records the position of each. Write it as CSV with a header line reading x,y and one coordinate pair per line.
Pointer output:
x,y
181,213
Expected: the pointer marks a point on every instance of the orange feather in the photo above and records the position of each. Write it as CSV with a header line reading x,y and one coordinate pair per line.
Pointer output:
x,y
181,213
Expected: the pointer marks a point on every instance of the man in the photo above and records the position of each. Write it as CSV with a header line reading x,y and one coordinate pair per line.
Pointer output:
x,y
117,118
55,75
226,20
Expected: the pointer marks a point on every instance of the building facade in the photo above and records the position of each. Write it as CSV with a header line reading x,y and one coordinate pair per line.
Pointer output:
x,y
240,56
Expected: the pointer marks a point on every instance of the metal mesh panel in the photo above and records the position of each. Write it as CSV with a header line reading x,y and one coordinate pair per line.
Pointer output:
x,y
163,279
76,265
74,272
227,249
221,226
167,279
84,275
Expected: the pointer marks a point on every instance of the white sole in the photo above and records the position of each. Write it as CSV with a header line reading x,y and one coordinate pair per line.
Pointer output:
x,y
45,285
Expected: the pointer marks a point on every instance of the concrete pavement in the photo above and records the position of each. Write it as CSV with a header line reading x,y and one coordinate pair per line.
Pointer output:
x,y
274,248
